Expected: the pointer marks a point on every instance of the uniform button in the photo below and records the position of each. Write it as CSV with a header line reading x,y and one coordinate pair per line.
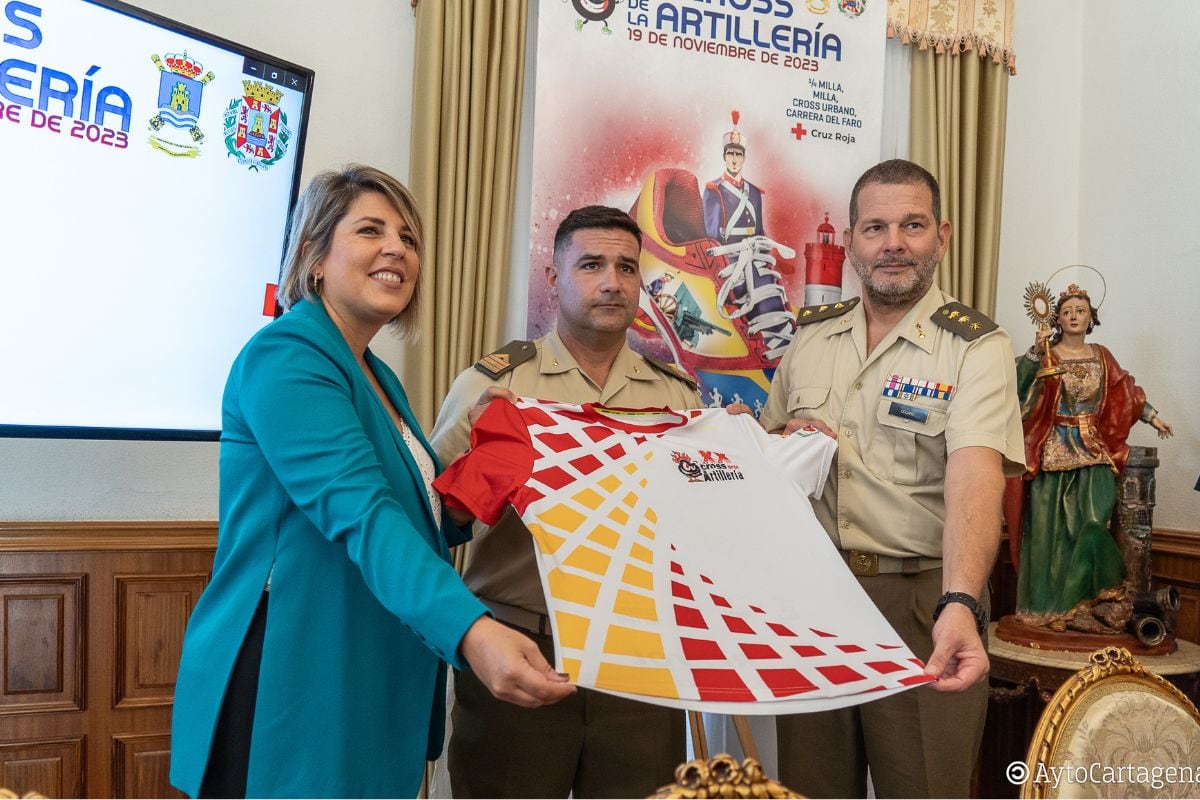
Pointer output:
x,y
844,523
845,474
849,434
858,385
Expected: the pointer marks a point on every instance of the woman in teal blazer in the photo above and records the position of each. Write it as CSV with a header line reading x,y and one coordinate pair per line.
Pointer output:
x,y
314,662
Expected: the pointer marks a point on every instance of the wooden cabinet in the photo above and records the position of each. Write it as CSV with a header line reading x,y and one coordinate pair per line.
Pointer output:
x,y
92,618
1177,563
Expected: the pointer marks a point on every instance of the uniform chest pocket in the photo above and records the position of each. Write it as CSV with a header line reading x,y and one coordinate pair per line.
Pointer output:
x,y
804,401
908,446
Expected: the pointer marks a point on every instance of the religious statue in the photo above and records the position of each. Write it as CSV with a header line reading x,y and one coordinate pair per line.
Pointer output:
x,y
1077,407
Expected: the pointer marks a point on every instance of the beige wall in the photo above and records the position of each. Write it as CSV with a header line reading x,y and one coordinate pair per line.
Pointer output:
x,y
1101,169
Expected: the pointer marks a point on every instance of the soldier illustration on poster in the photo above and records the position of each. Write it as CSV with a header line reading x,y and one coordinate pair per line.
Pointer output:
x,y
733,207
733,215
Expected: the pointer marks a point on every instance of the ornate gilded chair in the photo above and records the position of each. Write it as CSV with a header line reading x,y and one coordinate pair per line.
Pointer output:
x,y
1114,729
722,775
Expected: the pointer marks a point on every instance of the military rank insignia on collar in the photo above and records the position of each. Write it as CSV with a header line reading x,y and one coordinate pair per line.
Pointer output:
x,y
816,313
963,321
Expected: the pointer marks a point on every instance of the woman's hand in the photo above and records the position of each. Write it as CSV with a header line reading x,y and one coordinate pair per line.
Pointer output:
x,y
1039,342
511,666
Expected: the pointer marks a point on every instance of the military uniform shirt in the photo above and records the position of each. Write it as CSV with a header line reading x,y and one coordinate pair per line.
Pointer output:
x,y
502,565
922,394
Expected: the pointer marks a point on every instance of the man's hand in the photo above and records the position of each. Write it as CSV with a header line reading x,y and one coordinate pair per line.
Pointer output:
x,y
959,660
738,408
511,666
458,516
489,394
794,425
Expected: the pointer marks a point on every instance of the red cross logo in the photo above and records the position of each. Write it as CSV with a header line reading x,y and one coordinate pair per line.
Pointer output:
x,y
799,131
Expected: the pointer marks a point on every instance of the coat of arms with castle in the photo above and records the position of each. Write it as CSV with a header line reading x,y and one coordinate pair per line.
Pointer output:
x,y
180,92
256,129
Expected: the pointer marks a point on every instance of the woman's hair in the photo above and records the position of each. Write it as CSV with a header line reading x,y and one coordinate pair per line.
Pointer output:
x,y
327,199
1073,292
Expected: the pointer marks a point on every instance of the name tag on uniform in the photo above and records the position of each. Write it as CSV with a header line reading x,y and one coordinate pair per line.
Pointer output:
x,y
911,413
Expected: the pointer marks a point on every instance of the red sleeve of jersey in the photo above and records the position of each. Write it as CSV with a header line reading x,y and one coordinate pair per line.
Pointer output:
x,y
498,464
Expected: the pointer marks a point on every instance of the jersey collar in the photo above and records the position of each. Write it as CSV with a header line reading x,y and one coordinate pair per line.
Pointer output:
x,y
639,420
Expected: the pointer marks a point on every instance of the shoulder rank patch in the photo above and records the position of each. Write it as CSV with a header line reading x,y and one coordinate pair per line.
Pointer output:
x,y
513,354
963,321
672,370
825,311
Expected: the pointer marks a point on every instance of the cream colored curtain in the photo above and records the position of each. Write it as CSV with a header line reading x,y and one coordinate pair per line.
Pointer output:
x,y
468,75
957,133
467,86
959,111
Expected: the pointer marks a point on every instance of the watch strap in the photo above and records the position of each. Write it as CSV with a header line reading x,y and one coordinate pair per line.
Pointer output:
x,y
967,600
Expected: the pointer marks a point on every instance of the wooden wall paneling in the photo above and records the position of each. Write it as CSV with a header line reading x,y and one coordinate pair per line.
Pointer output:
x,y
142,766
1176,562
52,767
152,613
142,581
42,622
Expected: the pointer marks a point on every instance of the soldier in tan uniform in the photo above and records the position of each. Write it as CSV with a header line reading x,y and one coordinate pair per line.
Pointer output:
x,y
592,744
920,391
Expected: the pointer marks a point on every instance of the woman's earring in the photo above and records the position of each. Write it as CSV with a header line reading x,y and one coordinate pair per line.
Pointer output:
x,y
316,282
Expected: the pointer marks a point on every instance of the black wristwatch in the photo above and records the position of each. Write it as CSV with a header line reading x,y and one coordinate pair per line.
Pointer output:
x,y
981,615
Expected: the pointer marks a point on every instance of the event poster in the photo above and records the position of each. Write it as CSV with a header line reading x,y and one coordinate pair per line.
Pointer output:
x,y
732,131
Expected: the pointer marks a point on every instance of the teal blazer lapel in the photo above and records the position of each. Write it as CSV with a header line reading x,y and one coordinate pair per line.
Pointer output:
x,y
395,392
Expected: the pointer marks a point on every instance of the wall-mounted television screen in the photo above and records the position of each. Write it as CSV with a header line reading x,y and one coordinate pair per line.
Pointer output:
x,y
147,170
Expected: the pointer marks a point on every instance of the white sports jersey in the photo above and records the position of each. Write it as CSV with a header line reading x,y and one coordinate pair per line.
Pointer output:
x,y
680,556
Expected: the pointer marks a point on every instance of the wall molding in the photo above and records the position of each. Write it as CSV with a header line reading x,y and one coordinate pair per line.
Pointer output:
x,y
1176,542
23,537
61,537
